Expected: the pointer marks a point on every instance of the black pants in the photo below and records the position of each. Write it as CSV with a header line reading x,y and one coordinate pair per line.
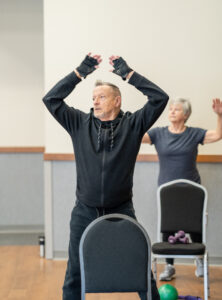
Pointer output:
x,y
82,216
195,237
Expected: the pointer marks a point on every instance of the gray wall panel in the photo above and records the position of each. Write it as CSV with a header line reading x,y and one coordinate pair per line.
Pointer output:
x,y
145,185
64,186
21,189
211,174
144,195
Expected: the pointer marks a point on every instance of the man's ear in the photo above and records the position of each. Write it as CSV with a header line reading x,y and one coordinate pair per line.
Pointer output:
x,y
118,101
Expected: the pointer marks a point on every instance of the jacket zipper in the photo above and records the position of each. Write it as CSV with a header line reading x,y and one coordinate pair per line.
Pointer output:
x,y
103,169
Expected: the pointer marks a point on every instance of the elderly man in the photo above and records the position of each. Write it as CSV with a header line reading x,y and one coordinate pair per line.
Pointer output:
x,y
106,143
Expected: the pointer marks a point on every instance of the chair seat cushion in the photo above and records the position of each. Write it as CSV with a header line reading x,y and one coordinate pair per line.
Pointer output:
x,y
178,249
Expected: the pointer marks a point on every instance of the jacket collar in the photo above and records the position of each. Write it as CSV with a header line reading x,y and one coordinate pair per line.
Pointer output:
x,y
114,122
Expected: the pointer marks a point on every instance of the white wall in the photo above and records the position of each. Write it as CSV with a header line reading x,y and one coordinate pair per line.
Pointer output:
x,y
21,73
176,44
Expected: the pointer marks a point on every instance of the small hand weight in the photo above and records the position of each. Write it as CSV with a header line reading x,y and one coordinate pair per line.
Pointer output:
x,y
179,237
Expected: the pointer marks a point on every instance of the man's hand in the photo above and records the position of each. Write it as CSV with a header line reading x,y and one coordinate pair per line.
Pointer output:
x,y
120,67
217,106
88,65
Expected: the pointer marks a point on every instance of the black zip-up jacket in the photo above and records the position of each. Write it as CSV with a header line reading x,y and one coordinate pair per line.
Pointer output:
x,y
105,152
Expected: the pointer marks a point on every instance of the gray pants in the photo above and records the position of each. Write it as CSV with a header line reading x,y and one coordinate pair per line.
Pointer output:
x,y
82,216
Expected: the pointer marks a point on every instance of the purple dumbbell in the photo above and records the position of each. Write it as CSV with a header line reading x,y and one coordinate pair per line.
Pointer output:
x,y
172,239
178,237
184,240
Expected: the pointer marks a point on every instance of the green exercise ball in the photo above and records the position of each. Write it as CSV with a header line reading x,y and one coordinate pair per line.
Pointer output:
x,y
168,292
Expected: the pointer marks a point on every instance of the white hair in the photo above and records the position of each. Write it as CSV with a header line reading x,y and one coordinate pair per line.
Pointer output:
x,y
185,104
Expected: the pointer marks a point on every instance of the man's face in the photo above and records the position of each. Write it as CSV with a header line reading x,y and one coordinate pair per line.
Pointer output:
x,y
105,103
176,113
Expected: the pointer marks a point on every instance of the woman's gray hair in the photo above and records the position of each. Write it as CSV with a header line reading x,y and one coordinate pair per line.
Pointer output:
x,y
185,104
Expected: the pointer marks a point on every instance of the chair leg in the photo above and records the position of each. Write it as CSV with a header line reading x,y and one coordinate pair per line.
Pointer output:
x,y
154,268
206,277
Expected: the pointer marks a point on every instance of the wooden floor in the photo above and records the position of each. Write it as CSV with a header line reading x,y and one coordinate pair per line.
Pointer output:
x,y
26,276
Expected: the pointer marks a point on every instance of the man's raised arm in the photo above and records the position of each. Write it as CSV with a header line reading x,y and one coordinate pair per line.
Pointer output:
x,y
143,118
53,100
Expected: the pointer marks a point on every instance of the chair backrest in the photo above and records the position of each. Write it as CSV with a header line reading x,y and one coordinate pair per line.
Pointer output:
x,y
182,206
115,256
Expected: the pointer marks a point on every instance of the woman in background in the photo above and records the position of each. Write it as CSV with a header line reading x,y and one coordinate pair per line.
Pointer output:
x,y
177,148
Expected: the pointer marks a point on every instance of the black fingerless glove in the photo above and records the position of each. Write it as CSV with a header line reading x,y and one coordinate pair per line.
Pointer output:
x,y
121,68
87,66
